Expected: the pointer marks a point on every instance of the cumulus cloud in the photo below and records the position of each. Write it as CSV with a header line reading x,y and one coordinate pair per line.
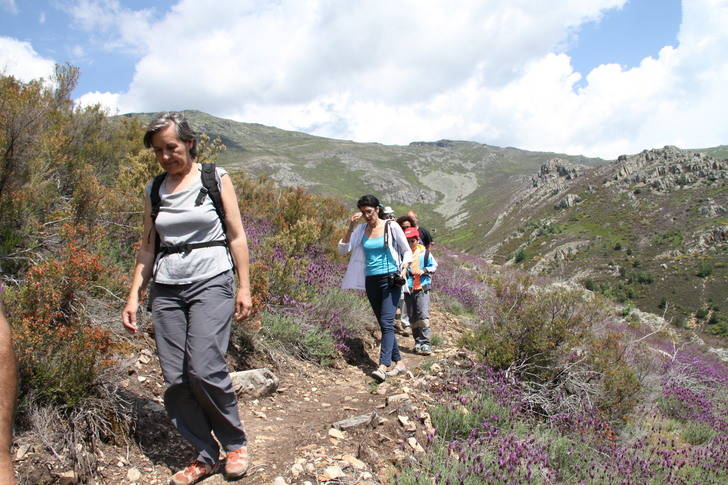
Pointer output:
x,y
109,102
20,60
394,72
120,28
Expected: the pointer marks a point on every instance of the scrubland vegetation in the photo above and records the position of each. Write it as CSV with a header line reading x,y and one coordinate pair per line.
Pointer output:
x,y
562,388
567,391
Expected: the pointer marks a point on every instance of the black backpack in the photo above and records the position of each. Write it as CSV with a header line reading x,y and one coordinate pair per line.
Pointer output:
x,y
209,187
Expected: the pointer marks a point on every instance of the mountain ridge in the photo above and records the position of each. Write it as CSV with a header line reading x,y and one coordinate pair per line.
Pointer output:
x,y
550,213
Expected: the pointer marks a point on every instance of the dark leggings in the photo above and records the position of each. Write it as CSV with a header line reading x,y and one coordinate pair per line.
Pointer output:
x,y
383,300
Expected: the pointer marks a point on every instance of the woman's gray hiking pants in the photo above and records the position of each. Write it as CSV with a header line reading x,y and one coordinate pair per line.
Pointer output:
x,y
192,331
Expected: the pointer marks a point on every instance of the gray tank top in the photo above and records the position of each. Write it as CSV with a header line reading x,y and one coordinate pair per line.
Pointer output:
x,y
179,221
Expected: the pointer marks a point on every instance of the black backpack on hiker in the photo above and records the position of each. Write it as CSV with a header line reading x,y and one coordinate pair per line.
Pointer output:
x,y
209,187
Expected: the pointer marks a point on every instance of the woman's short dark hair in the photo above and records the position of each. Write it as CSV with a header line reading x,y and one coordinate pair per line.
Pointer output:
x,y
371,201
184,131
402,219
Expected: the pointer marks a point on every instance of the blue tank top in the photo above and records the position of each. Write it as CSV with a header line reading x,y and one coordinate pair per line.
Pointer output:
x,y
378,258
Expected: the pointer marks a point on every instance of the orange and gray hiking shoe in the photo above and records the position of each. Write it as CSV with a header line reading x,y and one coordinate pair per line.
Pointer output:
x,y
194,472
237,463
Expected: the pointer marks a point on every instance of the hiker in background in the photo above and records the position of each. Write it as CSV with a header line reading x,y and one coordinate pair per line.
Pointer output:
x,y
8,392
193,295
388,213
378,264
418,299
425,235
403,321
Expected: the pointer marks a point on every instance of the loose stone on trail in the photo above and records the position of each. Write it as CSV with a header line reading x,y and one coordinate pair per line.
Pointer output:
x,y
355,422
254,383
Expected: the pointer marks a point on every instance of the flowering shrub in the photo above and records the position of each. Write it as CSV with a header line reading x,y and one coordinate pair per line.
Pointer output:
x,y
488,433
56,347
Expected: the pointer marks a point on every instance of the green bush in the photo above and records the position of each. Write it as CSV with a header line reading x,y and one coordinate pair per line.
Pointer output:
x,y
529,328
520,256
312,343
705,269
697,433
457,422
645,278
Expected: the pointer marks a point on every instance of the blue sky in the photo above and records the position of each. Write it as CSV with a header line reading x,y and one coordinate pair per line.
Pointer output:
x,y
598,77
626,36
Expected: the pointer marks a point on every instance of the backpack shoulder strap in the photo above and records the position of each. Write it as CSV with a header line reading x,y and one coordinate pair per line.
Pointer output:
x,y
427,257
154,196
156,200
209,182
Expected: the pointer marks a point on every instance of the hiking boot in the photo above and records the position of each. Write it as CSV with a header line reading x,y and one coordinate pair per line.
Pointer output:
x,y
237,463
418,348
397,370
425,349
194,472
406,330
380,374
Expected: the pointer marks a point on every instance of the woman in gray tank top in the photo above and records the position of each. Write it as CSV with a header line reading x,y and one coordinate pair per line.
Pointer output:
x,y
193,298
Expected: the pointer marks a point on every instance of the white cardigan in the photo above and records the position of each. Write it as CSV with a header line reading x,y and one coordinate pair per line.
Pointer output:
x,y
355,271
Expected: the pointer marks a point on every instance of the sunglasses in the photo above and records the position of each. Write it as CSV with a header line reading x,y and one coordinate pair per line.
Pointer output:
x,y
368,212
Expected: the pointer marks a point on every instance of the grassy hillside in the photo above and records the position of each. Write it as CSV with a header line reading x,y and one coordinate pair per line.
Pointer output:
x,y
649,229
457,187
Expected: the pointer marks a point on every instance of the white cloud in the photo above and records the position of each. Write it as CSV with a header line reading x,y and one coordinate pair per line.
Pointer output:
x,y
20,60
394,72
120,28
9,5
108,101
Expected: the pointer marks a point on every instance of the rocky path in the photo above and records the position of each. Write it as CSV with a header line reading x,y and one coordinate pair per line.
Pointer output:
x,y
292,435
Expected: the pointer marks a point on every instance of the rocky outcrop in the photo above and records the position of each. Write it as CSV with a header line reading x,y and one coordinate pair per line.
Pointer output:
x,y
711,209
555,173
713,236
439,143
569,201
668,168
559,253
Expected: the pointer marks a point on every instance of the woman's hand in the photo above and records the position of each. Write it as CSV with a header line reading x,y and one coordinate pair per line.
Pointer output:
x,y
355,219
243,304
129,314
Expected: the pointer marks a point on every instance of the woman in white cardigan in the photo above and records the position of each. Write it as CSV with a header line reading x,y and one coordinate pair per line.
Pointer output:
x,y
378,264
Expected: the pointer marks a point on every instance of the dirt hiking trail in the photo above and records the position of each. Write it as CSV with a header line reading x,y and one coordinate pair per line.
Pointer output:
x,y
291,435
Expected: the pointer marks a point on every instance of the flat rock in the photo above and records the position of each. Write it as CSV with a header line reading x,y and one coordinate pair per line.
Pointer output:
x,y
355,422
67,478
22,451
397,398
354,462
332,473
412,441
254,383
133,475
336,433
